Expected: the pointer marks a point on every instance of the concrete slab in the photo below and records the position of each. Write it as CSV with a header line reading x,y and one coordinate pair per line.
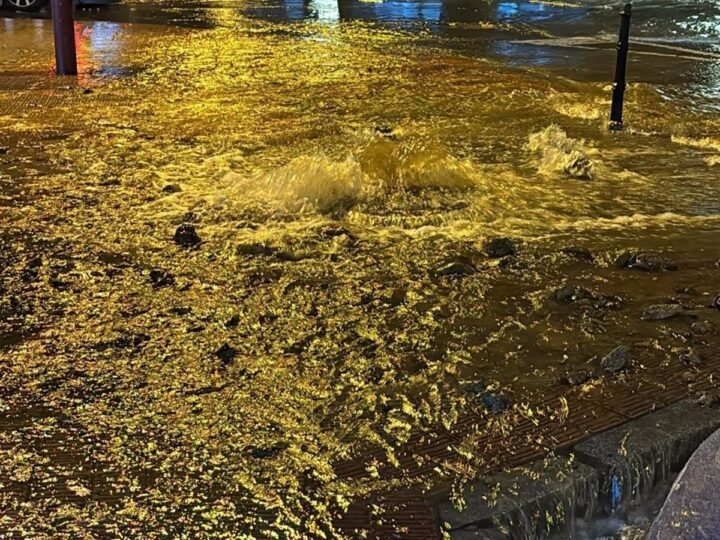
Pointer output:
x,y
692,510
633,458
520,500
611,472
478,534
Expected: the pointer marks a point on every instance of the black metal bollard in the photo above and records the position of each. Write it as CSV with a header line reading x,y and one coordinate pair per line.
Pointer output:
x,y
618,101
64,29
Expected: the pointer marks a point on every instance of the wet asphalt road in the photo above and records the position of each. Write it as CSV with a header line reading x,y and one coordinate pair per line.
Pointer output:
x,y
674,44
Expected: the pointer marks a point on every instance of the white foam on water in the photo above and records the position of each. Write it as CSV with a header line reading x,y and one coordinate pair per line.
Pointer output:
x,y
706,143
314,183
558,153
635,221
411,164
374,170
409,183
583,111
406,179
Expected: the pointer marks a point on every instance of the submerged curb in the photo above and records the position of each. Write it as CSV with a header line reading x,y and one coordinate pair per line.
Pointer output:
x,y
603,474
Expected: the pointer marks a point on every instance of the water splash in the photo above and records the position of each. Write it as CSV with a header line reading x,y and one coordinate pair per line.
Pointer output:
x,y
574,106
377,170
413,164
315,183
558,153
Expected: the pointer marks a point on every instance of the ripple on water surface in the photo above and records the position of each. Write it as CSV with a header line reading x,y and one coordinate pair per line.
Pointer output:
x,y
344,182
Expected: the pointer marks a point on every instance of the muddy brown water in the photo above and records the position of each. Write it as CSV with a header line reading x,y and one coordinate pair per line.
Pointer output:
x,y
332,161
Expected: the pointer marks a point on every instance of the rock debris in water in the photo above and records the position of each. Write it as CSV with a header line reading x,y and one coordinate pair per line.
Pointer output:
x,y
161,278
572,293
458,268
691,358
616,360
645,261
579,253
186,236
577,377
497,248
342,297
171,188
702,327
661,312
226,354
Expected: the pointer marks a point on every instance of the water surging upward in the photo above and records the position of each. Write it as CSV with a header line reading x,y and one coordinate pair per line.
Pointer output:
x,y
558,153
376,168
315,183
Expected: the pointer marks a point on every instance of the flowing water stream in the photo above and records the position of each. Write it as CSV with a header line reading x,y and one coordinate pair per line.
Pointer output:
x,y
336,159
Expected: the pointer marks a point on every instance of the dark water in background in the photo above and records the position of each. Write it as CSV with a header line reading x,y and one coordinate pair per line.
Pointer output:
x,y
574,38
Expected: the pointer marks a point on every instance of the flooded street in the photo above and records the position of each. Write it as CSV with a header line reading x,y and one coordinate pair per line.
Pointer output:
x,y
254,240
